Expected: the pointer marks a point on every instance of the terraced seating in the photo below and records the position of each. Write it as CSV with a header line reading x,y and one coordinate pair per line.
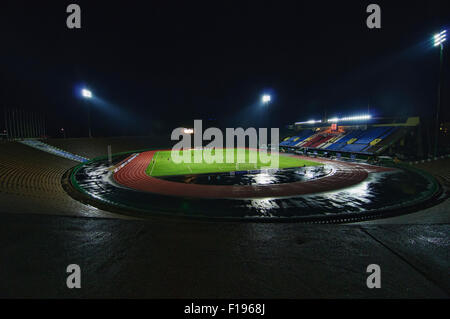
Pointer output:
x,y
53,150
30,182
374,139
95,147
350,135
389,131
386,139
368,141
336,146
313,141
354,148
439,168
334,139
322,141
371,134
293,141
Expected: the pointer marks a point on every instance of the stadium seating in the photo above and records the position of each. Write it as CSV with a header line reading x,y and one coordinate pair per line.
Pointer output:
x,y
438,168
313,141
33,178
370,134
95,147
354,148
387,139
295,140
53,150
336,146
350,135
367,141
362,141
321,141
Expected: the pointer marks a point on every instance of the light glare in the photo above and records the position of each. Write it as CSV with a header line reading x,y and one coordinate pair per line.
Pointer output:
x,y
440,38
309,122
86,93
350,118
266,98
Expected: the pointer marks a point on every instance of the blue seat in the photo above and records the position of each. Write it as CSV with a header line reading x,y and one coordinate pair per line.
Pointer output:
x,y
349,136
363,139
371,134
354,147
301,137
336,146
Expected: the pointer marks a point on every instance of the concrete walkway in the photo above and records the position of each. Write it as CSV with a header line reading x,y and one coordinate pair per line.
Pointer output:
x,y
166,259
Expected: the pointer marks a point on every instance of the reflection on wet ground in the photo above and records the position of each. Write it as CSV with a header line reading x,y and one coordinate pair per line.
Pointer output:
x,y
378,191
258,177
185,259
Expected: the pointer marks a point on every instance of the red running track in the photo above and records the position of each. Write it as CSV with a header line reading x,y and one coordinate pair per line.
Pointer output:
x,y
345,174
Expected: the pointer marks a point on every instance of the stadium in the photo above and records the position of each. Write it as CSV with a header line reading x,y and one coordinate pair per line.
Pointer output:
x,y
89,176
319,181
319,163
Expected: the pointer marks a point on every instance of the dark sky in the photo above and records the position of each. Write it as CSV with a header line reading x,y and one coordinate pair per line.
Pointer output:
x,y
154,65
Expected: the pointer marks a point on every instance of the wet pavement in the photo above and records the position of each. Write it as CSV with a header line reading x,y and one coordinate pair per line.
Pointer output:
x,y
380,191
258,177
162,259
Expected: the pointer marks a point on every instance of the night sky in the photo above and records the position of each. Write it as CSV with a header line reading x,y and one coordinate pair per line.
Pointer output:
x,y
156,65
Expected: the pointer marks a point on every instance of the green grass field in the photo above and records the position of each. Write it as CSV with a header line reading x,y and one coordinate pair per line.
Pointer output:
x,y
162,164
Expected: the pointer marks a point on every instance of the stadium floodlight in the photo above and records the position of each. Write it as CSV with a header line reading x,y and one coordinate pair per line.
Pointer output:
x,y
350,118
266,98
356,118
440,38
86,93
309,122
333,120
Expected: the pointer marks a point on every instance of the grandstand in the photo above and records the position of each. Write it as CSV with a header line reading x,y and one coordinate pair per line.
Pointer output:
x,y
95,147
31,172
31,183
295,140
439,168
361,138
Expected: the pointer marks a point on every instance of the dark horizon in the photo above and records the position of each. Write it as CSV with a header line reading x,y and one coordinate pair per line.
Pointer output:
x,y
154,67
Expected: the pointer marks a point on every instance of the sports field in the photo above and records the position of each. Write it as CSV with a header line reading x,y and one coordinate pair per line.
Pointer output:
x,y
163,165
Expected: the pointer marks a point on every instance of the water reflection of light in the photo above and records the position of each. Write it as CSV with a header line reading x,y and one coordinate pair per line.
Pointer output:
x,y
441,241
309,174
264,206
353,196
360,191
264,178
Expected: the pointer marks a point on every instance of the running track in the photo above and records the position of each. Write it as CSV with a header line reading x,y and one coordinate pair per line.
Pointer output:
x,y
345,174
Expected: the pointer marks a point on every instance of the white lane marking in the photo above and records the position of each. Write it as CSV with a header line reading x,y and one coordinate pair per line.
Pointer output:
x,y
154,163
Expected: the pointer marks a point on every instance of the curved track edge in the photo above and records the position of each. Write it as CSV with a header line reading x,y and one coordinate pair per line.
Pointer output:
x,y
436,196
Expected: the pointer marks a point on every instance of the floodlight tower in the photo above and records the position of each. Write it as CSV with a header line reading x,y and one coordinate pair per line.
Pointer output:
x,y
266,99
88,95
439,40
265,114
